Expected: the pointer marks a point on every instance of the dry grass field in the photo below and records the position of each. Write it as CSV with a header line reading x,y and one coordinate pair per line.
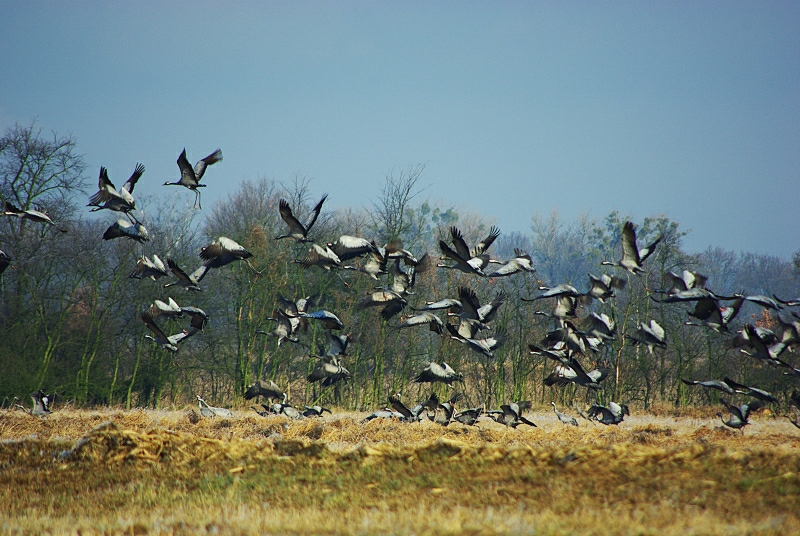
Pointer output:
x,y
169,472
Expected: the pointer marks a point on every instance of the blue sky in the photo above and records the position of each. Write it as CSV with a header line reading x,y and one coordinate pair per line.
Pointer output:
x,y
687,109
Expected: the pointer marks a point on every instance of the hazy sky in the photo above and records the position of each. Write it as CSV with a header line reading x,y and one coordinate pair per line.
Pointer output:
x,y
687,109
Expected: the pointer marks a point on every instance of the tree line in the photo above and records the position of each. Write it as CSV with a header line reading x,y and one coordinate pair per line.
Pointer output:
x,y
70,314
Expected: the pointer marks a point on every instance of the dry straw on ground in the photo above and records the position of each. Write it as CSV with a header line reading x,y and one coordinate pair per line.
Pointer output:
x,y
170,472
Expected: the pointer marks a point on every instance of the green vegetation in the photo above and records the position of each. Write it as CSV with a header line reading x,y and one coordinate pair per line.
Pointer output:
x,y
69,315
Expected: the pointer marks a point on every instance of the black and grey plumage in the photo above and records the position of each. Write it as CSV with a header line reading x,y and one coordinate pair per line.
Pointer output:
x,y
468,416
791,303
283,330
326,318
520,263
108,197
38,216
764,301
283,409
297,230
168,309
690,295
556,292
603,287
385,413
719,385
125,229
154,269
167,343
650,334
189,282
349,247
329,372
754,392
764,349
563,417
633,257
433,322
434,372
410,415
511,415
266,389
191,176
788,330
199,318
374,264
601,326
760,336
222,252
5,261
320,256
611,415
713,316
684,281
210,411
474,317
41,403
564,375
404,281
390,301
314,411
486,345
468,261
739,415
573,339
566,307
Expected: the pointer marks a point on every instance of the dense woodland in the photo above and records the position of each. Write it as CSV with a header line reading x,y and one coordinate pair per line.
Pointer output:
x,y
70,314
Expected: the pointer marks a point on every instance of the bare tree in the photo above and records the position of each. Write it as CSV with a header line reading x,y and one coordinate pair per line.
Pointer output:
x,y
391,216
39,170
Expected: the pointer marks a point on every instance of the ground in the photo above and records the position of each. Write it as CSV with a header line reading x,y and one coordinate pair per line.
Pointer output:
x,y
171,472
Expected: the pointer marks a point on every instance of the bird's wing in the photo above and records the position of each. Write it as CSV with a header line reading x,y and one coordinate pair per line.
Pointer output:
x,y
106,191
648,250
134,178
629,250
187,173
286,214
201,165
392,308
158,264
484,244
148,320
657,330
469,303
459,243
511,267
315,213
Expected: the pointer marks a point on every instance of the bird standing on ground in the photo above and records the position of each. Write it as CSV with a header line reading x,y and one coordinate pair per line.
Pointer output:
x,y
41,403
563,417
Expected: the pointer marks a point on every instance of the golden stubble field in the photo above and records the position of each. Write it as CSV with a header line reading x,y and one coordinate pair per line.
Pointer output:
x,y
168,472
